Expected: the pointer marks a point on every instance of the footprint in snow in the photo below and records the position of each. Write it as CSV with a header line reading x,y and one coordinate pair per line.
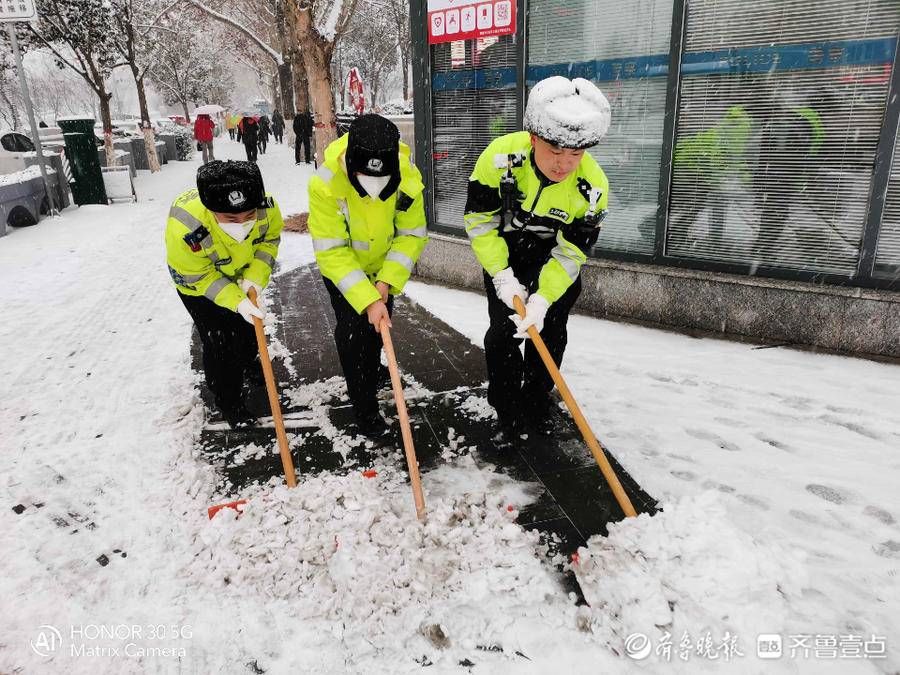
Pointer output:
x,y
754,501
712,485
805,517
851,426
703,435
772,442
829,494
684,475
879,514
888,549
731,422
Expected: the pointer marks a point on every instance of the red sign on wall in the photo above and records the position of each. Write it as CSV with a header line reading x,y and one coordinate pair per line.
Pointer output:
x,y
450,20
355,90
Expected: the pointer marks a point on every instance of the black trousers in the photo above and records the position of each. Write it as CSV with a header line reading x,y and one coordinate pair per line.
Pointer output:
x,y
278,136
252,154
304,141
359,350
520,385
229,348
231,133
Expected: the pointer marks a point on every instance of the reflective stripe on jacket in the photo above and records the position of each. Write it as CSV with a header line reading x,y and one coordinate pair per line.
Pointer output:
x,y
204,260
566,214
360,240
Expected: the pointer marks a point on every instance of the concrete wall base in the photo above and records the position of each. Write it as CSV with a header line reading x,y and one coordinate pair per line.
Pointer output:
x,y
846,319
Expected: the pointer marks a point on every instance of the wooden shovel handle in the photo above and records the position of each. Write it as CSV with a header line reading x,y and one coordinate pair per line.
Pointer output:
x,y
286,461
405,429
583,426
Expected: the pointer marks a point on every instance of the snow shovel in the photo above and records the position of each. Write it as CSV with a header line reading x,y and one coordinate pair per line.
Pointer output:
x,y
405,429
583,426
286,461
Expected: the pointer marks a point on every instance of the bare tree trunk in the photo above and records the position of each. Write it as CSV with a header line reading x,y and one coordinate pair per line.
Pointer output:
x,y
146,126
284,28
301,84
321,92
285,79
316,53
187,115
273,90
106,118
404,64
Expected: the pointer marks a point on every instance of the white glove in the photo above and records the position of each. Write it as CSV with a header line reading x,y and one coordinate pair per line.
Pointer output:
x,y
248,310
508,287
246,285
535,312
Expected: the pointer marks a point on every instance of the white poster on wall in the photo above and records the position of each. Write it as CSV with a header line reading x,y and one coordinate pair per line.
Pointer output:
x,y
450,20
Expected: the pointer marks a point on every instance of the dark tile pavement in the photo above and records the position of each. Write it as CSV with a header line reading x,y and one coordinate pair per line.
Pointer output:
x,y
573,503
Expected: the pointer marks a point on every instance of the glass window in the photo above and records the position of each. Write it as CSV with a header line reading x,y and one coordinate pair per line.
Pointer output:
x,y
780,110
473,101
624,49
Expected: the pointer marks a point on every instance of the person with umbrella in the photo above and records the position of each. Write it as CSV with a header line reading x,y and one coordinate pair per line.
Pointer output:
x,y
203,134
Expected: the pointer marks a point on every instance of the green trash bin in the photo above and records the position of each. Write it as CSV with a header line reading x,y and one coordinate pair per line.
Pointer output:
x,y
81,151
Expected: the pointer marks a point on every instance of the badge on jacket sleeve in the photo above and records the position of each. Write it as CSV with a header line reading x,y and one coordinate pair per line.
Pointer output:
x,y
194,238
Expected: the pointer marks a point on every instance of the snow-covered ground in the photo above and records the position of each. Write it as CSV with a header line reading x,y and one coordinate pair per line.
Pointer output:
x,y
778,470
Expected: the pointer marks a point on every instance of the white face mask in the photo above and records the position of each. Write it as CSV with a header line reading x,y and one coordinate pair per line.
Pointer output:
x,y
238,231
373,185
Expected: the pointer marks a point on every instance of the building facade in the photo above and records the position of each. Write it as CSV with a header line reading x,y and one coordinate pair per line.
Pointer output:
x,y
753,158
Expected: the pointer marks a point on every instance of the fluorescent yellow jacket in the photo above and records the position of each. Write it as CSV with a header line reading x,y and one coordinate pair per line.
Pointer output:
x,y
560,221
360,240
204,260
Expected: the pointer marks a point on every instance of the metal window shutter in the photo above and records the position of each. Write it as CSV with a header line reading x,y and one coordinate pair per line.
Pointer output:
x,y
812,77
473,102
623,48
887,255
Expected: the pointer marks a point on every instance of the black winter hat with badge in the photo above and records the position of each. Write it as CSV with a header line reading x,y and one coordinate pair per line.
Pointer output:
x,y
373,149
231,187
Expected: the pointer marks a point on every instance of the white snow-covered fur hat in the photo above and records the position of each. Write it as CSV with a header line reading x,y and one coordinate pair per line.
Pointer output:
x,y
567,113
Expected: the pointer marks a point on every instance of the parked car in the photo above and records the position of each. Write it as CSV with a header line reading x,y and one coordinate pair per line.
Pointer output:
x,y
13,147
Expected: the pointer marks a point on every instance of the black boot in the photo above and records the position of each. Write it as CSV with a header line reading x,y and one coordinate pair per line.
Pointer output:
x,y
384,376
372,425
238,417
537,412
253,374
510,428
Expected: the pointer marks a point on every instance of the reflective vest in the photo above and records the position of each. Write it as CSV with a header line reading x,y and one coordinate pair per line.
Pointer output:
x,y
360,240
204,260
560,221
709,157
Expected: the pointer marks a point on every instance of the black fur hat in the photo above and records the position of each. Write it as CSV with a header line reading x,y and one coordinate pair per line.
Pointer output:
x,y
231,186
373,149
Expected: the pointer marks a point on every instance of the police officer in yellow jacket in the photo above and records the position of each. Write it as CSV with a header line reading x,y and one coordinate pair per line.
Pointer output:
x,y
367,221
535,203
222,240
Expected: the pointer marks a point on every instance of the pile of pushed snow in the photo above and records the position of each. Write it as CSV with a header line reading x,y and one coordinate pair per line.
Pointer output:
x,y
477,408
688,569
348,551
